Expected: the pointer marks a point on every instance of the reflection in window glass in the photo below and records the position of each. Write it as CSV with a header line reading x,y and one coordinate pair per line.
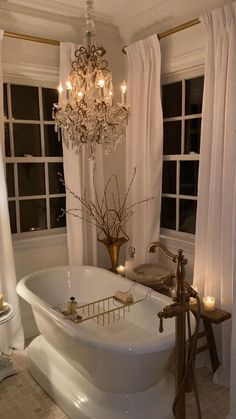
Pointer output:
x,y
33,215
194,94
168,213
7,141
189,177
169,177
31,179
187,215
57,218
172,137
53,147
50,96
10,179
26,140
192,136
25,102
12,215
172,99
55,171
5,107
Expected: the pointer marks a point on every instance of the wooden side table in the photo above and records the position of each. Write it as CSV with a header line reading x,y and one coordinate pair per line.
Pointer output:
x,y
208,318
6,368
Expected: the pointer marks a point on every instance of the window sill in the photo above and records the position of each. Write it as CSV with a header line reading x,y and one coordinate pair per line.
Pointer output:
x,y
39,241
178,241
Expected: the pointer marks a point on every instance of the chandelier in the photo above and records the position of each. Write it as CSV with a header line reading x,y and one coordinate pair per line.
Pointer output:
x,y
87,115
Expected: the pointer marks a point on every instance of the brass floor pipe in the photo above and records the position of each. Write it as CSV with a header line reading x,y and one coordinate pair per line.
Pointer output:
x,y
179,310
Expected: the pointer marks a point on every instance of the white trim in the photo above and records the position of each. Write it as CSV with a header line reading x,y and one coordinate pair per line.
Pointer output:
x,y
32,72
175,242
39,242
188,61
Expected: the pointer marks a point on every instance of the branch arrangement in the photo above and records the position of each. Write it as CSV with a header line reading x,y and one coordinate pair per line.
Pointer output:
x,y
109,214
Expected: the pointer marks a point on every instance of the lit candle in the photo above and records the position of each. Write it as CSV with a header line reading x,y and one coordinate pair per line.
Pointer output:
x,y
121,270
101,85
68,88
209,303
60,89
123,89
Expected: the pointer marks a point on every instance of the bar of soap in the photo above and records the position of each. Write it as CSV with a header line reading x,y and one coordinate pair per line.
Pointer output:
x,y
1,301
124,297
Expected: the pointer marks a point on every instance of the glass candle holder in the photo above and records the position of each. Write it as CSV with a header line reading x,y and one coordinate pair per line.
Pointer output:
x,y
121,270
209,303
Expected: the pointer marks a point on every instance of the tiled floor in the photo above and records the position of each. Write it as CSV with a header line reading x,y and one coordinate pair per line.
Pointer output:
x,y
22,397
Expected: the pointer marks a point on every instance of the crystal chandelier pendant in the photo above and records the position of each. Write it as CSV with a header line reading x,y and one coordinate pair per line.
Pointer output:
x,y
87,115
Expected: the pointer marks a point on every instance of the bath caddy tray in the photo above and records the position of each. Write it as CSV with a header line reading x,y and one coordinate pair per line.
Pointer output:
x,y
105,311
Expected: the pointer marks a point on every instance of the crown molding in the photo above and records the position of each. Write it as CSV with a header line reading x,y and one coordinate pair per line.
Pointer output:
x,y
16,18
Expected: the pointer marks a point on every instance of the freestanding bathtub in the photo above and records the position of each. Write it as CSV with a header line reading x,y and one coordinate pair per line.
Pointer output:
x,y
115,371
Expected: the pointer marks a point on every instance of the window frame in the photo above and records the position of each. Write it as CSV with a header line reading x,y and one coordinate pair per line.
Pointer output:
x,y
169,79
31,159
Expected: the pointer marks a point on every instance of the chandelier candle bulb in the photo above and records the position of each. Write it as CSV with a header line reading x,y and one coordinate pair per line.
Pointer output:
x,y
209,303
60,89
123,92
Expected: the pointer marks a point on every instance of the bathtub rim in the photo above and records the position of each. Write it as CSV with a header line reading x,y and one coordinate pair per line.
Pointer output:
x,y
37,303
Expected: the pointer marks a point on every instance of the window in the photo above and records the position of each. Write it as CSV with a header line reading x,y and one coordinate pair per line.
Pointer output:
x,y
182,107
33,157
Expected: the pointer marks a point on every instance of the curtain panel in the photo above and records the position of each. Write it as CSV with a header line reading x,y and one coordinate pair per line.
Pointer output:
x,y
215,243
78,173
144,143
11,335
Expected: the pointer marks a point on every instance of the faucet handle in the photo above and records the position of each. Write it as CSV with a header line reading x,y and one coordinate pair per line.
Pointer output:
x,y
160,315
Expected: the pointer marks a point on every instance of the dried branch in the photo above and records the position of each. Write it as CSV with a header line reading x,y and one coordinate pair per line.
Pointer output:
x,y
109,220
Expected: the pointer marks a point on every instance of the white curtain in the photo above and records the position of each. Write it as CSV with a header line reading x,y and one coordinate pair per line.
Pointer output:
x,y
144,143
215,243
11,333
78,172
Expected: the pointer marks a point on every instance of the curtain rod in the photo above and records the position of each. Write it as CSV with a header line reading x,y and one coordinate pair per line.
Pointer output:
x,y
161,35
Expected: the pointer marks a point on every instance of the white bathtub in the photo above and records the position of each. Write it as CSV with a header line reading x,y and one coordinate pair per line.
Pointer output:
x,y
116,371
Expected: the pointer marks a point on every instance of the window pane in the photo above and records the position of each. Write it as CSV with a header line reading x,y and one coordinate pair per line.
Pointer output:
x,y
50,96
33,215
10,179
172,137
192,136
12,214
168,213
55,170
7,141
56,215
193,98
188,177
25,102
169,177
26,140
172,99
187,215
53,147
5,108
31,179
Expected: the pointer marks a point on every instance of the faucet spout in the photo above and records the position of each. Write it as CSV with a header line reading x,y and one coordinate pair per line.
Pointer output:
x,y
153,245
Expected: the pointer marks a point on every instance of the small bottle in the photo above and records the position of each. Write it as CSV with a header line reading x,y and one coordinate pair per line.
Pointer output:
x,y
129,264
72,306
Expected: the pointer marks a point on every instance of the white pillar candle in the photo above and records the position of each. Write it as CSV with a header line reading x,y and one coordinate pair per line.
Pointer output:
x,y
209,303
121,270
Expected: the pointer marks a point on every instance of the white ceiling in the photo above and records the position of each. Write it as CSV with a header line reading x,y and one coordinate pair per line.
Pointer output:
x,y
130,16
